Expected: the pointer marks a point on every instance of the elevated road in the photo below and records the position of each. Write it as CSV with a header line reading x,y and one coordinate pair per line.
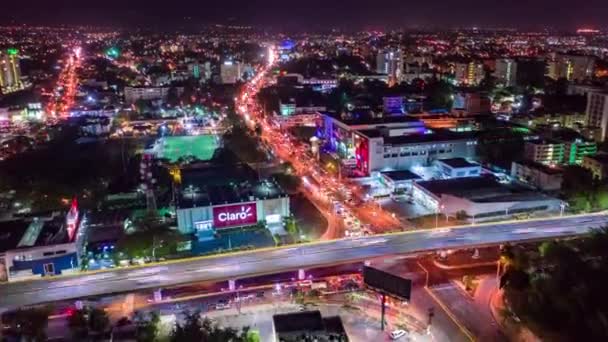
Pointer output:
x,y
275,260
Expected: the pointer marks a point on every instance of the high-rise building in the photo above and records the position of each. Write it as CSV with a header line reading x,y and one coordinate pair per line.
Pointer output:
x,y
506,72
597,113
571,67
230,72
10,72
469,74
390,62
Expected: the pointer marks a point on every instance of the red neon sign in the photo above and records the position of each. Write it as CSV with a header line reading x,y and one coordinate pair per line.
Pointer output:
x,y
235,215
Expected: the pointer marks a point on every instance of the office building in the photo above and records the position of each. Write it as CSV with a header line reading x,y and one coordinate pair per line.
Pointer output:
x,y
547,152
392,142
506,72
597,113
230,72
133,94
390,62
10,71
540,176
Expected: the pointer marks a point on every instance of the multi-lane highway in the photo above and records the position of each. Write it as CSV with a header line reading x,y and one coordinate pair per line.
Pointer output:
x,y
268,261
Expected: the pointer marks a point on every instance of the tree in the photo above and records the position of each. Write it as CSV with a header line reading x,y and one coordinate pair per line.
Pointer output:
x,y
439,94
31,324
88,321
99,322
196,329
560,288
78,324
147,326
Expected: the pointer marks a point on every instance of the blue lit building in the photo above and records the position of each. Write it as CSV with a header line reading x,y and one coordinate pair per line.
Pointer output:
x,y
40,246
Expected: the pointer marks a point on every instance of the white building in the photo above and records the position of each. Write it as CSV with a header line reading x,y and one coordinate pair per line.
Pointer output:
x,y
230,72
480,198
393,142
133,94
458,168
540,176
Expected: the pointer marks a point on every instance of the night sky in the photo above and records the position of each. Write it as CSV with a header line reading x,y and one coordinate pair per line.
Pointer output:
x,y
313,14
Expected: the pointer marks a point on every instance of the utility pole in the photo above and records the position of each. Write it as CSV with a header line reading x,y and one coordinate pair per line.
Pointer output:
x,y
382,310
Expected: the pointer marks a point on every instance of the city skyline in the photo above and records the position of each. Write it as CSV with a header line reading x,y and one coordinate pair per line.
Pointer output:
x,y
312,15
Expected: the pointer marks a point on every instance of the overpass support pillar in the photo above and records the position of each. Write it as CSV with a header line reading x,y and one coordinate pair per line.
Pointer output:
x,y
475,254
232,284
301,274
158,295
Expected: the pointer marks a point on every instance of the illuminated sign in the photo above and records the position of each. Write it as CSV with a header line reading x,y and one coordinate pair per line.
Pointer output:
x,y
235,215
72,219
203,225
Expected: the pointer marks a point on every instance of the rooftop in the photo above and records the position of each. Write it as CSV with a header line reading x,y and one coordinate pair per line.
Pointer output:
x,y
34,232
479,189
457,162
402,175
217,184
542,167
355,119
298,321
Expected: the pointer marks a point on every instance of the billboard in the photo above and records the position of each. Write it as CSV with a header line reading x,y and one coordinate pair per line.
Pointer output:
x,y
387,283
235,215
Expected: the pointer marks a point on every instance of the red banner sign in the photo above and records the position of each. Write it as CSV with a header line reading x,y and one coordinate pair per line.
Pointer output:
x,y
235,215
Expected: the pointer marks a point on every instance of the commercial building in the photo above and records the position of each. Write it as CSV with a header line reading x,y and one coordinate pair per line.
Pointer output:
x,y
230,72
540,176
391,142
133,94
457,168
597,113
41,246
480,198
217,198
10,71
597,164
506,72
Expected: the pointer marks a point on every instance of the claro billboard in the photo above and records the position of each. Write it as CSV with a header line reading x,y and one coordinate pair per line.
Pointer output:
x,y
235,215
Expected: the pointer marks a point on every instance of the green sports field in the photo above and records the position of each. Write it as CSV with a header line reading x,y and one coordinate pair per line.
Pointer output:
x,y
200,146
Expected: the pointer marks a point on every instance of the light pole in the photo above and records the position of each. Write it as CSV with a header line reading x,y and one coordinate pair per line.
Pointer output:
x,y
562,208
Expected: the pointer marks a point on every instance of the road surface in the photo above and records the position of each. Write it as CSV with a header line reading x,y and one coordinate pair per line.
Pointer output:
x,y
269,261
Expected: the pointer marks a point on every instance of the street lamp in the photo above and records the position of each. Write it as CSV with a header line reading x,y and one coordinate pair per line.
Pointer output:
x,y
440,208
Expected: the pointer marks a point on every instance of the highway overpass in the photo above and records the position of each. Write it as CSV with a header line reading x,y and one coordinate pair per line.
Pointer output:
x,y
275,260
